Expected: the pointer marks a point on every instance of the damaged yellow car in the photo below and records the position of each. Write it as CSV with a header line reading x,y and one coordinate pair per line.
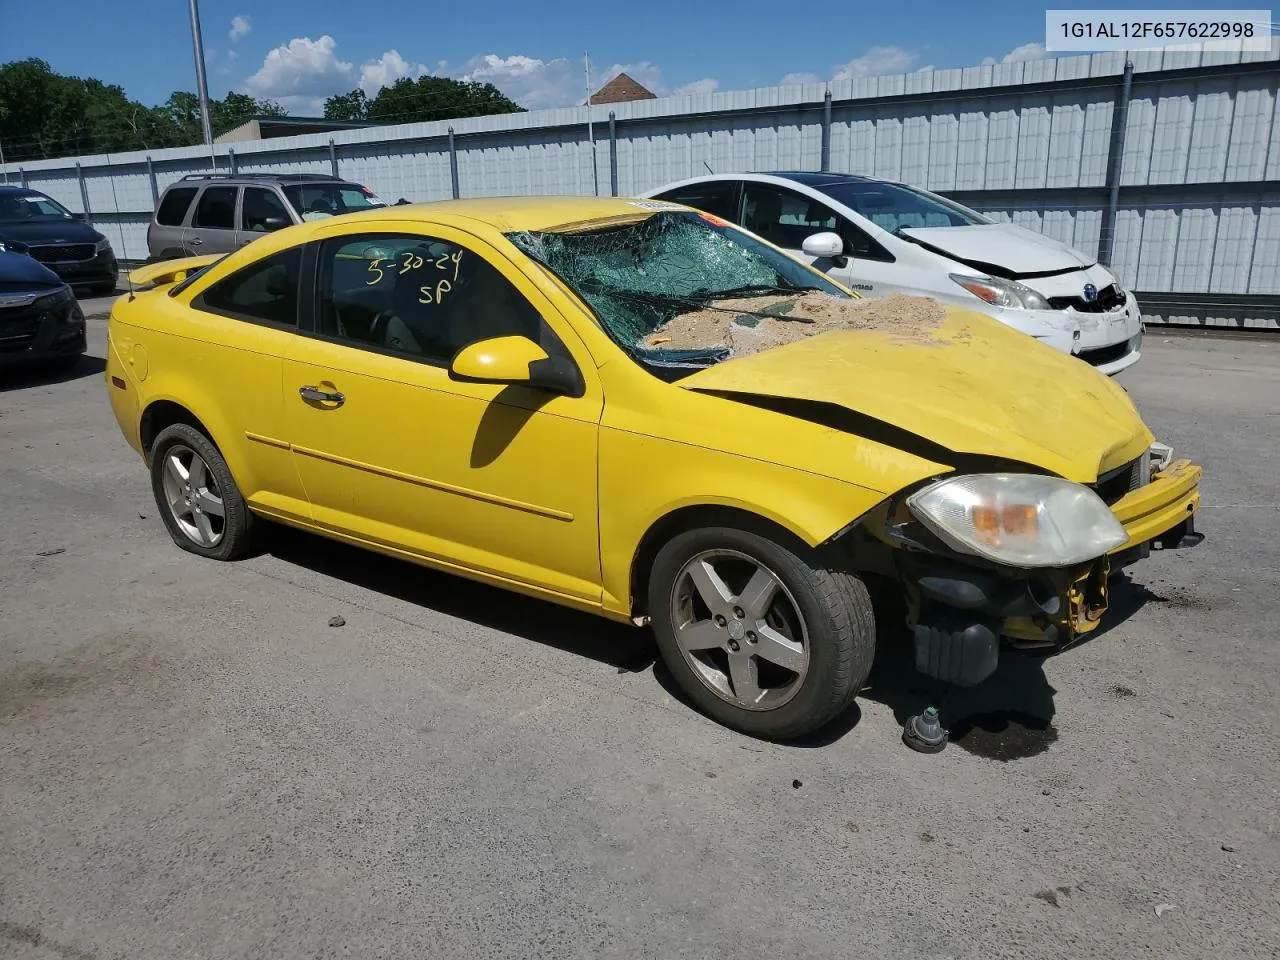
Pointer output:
x,y
642,411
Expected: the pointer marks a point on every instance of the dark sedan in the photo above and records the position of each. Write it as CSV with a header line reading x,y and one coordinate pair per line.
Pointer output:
x,y
40,320
33,223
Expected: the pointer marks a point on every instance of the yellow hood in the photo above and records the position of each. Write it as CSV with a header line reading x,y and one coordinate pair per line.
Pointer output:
x,y
974,386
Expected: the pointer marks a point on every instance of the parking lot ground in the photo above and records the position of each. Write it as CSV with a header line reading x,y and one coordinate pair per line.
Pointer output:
x,y
193,763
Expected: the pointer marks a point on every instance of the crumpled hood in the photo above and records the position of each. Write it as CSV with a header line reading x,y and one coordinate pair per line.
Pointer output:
x,y
973,386
1016,249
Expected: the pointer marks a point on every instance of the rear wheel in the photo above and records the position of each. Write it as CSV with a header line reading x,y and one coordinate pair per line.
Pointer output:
x,y
200,504
762,636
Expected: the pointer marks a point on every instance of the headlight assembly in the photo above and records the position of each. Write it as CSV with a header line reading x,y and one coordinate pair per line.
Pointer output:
x,y
102,246
52,300
1020,520
1002,293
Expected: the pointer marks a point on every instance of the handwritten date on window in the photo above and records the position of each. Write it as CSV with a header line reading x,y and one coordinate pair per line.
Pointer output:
x,y
407,262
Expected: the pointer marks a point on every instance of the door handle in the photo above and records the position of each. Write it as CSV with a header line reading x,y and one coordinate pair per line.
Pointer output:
x,y
195,241
317,395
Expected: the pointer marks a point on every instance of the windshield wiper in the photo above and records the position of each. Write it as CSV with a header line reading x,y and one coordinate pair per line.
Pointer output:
x,y
750,290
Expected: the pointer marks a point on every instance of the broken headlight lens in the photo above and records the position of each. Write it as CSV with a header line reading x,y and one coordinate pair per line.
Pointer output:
x,y
1021,520
1002,293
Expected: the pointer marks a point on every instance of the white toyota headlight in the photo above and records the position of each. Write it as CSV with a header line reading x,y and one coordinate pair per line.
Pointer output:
x,y
1002,293
1022,520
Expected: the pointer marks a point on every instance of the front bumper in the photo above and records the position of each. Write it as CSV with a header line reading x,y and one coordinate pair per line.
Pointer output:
x,y
32,334
1109,342
98,270
961,611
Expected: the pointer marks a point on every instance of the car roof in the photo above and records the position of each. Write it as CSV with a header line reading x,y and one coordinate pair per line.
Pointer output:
x,y
819,180
233,179
509,214
14,189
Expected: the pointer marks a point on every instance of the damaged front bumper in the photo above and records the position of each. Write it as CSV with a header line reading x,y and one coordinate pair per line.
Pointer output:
x,y
960,611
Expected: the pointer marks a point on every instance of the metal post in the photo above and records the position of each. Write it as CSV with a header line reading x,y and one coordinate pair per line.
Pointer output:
x,y
333,159
202,87
453,165
4,168
84,193
1115,161
613,155
231,160
155,190
826,131
22,175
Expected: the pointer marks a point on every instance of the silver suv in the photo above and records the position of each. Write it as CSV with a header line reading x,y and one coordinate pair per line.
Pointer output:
x,y
219,212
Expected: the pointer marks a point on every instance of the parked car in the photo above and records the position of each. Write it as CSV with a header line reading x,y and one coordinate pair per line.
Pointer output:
x,y
218,212
881,237
40,226
483,386
40,320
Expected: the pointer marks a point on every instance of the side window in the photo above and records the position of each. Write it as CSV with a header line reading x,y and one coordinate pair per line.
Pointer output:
x,y
785,218
259,206
173,206
718,197
266,291
216,209
418,296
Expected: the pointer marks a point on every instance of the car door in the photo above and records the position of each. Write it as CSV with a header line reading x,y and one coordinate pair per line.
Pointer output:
x,y
239,331
213,222
261,212
494,480
785,217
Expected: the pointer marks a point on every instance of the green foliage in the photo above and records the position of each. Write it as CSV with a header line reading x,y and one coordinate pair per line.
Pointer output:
x,y
415,101
45,114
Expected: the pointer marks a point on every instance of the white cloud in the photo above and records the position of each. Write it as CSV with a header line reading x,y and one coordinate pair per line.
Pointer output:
x,y
1028,51
240,28
300,74
386,70
705,85
794,78
875,62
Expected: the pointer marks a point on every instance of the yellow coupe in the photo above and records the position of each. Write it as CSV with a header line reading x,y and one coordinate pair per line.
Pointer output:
x,y
563,397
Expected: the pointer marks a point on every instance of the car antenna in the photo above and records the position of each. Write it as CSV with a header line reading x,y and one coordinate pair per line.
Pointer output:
x,y
120,226
708,166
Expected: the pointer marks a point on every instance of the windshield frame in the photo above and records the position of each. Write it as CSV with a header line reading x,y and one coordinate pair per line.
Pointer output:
x,y
845,193
653,360
28,195
293,196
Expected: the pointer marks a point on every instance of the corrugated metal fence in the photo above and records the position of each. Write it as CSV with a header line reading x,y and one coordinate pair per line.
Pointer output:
x,y
1185,192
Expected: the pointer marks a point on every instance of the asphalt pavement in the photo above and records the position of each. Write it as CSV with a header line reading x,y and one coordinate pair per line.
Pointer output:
x,y
193,763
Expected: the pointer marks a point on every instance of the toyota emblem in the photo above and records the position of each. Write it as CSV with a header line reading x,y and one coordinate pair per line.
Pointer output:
x,y
1090,293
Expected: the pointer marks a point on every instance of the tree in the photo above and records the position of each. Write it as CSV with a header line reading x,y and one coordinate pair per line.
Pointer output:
x,y
347,106
415,101
44,114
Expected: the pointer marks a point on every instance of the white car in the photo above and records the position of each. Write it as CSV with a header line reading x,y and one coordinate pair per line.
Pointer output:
x,y
880,237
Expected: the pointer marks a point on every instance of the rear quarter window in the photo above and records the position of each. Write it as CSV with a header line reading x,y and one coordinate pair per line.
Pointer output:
x,y
174,206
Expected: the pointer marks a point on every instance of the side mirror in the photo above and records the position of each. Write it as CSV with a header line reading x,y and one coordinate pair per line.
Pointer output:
x,y
274,223
516,361
826,246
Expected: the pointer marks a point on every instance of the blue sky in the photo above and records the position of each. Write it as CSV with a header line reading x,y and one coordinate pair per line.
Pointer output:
x,y
299,51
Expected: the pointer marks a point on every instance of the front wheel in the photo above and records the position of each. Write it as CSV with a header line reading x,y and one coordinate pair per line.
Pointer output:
x,y
761,636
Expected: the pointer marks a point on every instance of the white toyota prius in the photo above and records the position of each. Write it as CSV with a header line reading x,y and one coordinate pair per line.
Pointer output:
x,y
880,237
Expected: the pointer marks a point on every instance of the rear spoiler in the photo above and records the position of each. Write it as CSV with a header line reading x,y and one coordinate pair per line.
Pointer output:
x,y
170,271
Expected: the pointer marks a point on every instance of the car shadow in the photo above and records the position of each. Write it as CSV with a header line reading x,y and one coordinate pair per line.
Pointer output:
x,y
627,649
40,374
1009,716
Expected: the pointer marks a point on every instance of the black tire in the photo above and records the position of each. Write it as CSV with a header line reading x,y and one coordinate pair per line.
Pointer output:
x,y
837,613
240,531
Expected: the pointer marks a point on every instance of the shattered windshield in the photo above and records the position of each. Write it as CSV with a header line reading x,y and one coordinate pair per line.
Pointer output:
x,y
643,274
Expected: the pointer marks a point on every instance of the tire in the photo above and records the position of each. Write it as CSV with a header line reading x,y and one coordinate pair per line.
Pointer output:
x,y
208,487
824,616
